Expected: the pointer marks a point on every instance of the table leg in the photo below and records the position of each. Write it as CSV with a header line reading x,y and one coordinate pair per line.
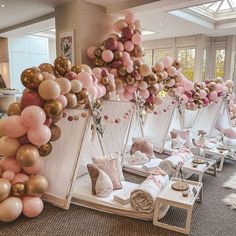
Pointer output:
x,y
200,176
188,221
221,163
156,213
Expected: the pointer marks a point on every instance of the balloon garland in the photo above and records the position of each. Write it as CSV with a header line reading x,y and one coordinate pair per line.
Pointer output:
x,y
26,134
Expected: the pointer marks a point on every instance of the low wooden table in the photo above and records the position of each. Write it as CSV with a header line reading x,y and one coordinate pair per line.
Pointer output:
x,y
221,154
174,198
209,168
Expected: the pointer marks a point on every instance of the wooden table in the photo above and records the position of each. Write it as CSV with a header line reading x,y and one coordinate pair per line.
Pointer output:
x,y
174,198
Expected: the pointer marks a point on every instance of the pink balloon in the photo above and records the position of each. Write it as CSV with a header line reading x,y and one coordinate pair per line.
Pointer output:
x,y
171,71
159,67
115,28
70,75
219,88
184,98
9,163
99,91
144,93
39,135
206,101
93,91
85,78
137,39
97,72
202,94
167,61
125,56
128,63
213,95
32,206
90,52
20,178
48,76
130,18
107,55
129,46
14,127
33,116
143,85
151,98
165,74
8,174
131,89
129,69
129,96
187,84
62,99
120,46
36,168
180,90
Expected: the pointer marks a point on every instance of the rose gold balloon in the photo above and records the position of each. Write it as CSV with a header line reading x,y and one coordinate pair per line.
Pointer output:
x,y
153,90
2,127
110,87
151,79
145,70
31,78
10,209
27,155
47,67
49,89
71,100
55,119
36,185
45,149
18,189
139,51
5,189
56,133
14,109
107,96
62,65
65,85
9,146
52,108
77,69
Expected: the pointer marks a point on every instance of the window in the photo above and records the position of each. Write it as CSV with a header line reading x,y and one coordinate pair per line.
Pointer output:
x,y
187,59
148,58
160,53
219,62
204,65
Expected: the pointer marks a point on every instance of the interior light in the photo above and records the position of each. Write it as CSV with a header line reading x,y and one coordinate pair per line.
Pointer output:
x,y
2,5
148,32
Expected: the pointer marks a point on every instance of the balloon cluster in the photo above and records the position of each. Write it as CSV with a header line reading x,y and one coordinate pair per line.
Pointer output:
x,y
26,134
192,95
232,114
122,54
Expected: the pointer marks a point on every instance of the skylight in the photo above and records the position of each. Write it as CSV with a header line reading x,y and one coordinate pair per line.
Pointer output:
x,y
217,11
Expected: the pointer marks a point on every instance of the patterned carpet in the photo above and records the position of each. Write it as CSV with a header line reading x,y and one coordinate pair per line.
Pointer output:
x,y
210,218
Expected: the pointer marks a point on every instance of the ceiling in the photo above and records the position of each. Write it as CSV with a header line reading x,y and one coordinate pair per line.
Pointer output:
x,y
154,15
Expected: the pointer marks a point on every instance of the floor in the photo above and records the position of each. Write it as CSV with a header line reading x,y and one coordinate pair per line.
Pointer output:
x,y
210,218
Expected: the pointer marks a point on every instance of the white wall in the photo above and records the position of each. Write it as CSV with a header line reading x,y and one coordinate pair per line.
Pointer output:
x,y
52,50
25,52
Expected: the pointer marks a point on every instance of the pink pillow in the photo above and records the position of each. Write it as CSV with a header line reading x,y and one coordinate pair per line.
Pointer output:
x,y
229,133
184,134
142,145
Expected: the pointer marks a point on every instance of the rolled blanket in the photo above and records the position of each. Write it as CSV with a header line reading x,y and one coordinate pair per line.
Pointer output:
x,y
170,163
144,196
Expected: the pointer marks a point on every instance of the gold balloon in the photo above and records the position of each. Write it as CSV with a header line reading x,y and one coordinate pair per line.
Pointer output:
x,y
145,70
196,96
36,185
137,64
62,65
14,109
9,146
104,80
18,189
207,90
122,71
129,80
153,90
110,87
119,83
172,92
118,55
97,103
77,69
27,155
219,80
1,170
47,67
139,51
52,108
160,77
107,96
149,106
98,62
5,189
151,79
55,132
98,52
71,100
82,97
31,78
45,149
55,119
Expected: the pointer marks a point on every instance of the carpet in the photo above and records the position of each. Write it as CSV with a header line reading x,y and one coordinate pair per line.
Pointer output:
x,y
210,218
231,183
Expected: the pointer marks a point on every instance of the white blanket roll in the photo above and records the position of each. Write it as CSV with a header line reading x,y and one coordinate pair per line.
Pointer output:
x,y
143,198
170,163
